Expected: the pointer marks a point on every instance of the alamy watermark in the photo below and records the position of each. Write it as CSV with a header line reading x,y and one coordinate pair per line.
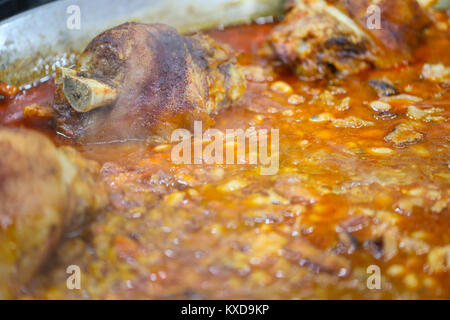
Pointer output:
x,y
373,14
73,282
230,147
374,280
73,21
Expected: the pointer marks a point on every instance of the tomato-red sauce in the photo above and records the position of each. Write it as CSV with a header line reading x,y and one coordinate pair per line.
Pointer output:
x,y
344,198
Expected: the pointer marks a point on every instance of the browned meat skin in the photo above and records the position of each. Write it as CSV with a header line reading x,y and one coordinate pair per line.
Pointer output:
x,y
322,38
44,191
165,81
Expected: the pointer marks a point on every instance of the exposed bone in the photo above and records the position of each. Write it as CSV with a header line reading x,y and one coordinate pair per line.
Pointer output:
x,y
85,94
165,81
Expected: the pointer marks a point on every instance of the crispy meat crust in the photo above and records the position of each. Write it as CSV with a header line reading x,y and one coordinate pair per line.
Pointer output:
x,y
322,38
44,191
165,80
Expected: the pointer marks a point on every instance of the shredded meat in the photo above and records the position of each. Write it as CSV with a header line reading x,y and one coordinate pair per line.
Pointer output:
x,y
319,38
403,135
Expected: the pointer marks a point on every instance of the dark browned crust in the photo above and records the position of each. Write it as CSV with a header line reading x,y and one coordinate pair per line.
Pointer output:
x,y
165,80
402,25
316,44
44,191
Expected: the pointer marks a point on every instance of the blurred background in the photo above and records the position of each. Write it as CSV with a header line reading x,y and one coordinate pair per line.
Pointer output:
x,y
9,8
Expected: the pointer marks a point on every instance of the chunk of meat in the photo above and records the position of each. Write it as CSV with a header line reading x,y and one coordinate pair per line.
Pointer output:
x,y
8,90
436,72
351,122
383,88
428,114
141,80
403,135
439,259
321,38
36,110
317,260
294,189
44,191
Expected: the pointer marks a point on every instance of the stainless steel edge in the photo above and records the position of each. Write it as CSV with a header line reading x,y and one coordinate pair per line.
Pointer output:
x,y
34,43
